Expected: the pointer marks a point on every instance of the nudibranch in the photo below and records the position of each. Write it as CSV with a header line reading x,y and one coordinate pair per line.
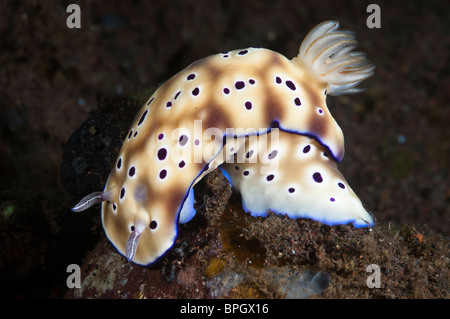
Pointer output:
x,y
293,174
200,118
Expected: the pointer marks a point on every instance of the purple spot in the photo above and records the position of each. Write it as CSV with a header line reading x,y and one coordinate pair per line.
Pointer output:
x,y
248,105
249,154
135,134
191,77
243,52
226,90
245,173
114,206
239,85
273,154
226,56
290,85
160,136
291,190
270,177
131,133
153,224
197,141
177,95
169,104
317,177
306,149
163,174
143,117
195,91
181,164
162,153
132,227
332,199
297,101
278,80
150,101
341,185
251,81
132,171
320,110
183,140
122,192
119,163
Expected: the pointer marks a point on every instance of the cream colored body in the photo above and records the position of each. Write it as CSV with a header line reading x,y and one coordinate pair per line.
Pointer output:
x,y
250,89
293,175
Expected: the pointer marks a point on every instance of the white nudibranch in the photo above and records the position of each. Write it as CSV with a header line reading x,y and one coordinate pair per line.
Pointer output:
x,y
211,112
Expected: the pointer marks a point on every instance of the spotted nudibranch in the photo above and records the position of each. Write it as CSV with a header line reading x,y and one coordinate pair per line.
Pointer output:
x,y
293,174
205,114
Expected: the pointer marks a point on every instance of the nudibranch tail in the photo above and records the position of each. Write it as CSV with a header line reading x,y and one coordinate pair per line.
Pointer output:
x,y
294,176
328,53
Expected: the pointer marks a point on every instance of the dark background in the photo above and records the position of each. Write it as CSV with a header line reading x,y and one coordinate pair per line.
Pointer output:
x,y
397,132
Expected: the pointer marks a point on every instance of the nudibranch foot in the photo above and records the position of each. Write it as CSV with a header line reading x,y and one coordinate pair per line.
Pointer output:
x,y
188,211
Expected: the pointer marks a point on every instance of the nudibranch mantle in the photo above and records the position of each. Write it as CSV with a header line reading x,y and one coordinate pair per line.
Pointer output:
x,y
293,174
199,119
